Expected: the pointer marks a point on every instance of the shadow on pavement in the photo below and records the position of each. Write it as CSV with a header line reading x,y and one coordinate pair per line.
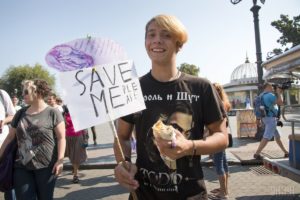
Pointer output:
x,y
107,158
210,173
100,146
94,193
238,142
87,189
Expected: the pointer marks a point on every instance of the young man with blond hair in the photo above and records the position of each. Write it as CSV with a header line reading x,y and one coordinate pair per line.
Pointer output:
x,y
165,90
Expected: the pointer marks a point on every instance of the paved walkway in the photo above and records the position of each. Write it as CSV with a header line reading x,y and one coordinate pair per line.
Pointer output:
x,y
247,182
102,155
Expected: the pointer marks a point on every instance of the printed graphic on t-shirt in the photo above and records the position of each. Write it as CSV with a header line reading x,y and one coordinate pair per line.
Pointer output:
x,y
179,116
179,96
187,104
29,139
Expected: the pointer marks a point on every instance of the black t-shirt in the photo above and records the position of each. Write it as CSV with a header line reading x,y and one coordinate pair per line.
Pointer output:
x,y
190,103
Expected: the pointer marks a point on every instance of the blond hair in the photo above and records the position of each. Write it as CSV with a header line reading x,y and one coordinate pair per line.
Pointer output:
x,y
172,25
30,87
36,87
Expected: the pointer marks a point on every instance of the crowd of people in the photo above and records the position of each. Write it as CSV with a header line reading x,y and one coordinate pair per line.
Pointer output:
x,y
45,134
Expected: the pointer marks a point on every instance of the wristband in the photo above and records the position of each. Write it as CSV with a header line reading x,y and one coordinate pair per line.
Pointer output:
x,y
194,149
192,156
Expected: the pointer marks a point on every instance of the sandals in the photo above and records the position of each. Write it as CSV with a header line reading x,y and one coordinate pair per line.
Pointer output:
x,y
75,179
257,157
217,190
218,196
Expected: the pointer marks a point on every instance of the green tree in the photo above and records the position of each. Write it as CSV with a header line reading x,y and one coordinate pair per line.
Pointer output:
x,y
290,30
189,69
13,77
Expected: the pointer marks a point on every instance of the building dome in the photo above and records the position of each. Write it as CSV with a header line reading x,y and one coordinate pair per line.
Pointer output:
x,y
244,73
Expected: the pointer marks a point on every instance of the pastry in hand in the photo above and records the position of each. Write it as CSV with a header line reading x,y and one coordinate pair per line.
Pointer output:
x,y
165,132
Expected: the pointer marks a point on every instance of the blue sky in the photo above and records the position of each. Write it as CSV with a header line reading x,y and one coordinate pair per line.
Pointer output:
x,y
220,33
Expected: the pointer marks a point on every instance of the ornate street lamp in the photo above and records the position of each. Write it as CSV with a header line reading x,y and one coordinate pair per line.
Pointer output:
x,y
255,8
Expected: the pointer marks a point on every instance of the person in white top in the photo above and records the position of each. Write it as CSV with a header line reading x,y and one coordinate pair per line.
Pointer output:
x,y
7,111
53,103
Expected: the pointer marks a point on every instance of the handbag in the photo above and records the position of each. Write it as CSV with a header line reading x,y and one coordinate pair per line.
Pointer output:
x,y
230,140
7,166
8,159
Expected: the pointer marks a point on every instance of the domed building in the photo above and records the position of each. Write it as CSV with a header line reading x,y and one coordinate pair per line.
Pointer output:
x,y
242,88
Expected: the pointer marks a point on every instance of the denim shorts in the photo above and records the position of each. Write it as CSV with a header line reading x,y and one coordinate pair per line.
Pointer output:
x,y
270,128
220,162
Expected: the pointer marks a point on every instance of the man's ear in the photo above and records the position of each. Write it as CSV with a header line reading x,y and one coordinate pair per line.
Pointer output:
x,y
178,45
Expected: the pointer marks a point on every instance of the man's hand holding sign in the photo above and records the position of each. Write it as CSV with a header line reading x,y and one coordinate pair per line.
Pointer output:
x,y
98,83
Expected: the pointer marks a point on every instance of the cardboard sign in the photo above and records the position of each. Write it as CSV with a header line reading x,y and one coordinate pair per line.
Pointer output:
x,y
101,93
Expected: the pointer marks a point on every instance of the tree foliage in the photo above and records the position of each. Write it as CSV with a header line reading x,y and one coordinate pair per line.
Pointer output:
x,y
189,69
290,30
12,79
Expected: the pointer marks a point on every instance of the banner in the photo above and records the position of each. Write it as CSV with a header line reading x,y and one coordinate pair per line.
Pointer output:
x,y
102,93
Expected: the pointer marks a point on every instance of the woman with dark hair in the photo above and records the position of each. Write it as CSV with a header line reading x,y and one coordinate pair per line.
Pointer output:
x,y
40,133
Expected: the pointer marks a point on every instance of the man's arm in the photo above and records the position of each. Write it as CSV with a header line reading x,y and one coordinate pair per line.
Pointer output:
x,y
124,131
124,171
217,141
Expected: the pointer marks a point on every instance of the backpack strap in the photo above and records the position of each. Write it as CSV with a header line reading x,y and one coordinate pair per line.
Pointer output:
x,y
20,113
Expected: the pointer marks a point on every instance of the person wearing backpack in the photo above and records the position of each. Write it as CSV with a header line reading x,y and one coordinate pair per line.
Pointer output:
x,y
269,113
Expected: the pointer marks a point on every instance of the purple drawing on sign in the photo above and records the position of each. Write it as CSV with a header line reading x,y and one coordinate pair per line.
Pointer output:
x,y
66,58
85,52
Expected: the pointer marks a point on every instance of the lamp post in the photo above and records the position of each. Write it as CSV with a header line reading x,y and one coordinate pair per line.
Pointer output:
x,y
255,9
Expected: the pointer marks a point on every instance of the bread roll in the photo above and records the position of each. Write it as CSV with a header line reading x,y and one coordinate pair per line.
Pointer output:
x,y
166,132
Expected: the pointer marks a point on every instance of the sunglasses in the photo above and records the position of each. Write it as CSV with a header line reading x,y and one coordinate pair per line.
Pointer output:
x,y
180,129
176,126
25,92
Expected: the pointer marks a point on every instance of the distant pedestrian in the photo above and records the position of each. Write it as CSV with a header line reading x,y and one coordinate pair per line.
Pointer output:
x,y
15,101
76,148
94,135
247,102
271,102
7,112
52,101
220,160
